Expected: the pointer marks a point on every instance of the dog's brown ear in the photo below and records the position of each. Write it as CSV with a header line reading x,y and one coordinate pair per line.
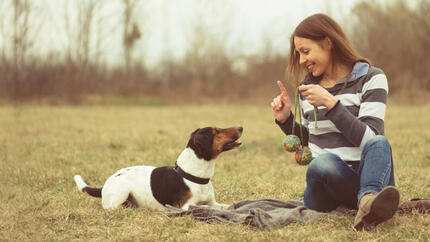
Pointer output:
x,y
201,142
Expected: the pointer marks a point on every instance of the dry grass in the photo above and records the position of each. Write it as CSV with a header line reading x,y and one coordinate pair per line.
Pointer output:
x,y
41,148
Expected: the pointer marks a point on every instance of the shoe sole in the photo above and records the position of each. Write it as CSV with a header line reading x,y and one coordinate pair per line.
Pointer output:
x,y
383,207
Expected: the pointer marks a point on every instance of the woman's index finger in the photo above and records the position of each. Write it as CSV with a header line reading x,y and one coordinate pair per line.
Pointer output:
x,y
283,89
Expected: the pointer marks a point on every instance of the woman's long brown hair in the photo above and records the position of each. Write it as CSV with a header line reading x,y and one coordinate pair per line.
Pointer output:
x,y
317,27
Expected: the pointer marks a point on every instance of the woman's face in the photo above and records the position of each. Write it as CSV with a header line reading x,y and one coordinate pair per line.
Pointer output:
x,y
314,56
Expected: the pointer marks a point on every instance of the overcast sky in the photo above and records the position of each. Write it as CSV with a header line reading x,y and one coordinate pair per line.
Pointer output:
x,y
244,26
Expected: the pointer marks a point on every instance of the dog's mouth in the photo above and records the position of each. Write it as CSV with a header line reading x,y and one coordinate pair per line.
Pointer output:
x,y
231,145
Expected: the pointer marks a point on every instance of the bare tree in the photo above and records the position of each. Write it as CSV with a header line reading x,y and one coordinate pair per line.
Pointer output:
x,y
21,43
2,31
131,32
3,36
85,33
80,35
395,36
207,56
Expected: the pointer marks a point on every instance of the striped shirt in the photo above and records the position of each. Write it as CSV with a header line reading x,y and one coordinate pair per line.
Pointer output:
x,y
357,116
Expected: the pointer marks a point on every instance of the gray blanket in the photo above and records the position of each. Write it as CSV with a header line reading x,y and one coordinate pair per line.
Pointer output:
x,y
263,214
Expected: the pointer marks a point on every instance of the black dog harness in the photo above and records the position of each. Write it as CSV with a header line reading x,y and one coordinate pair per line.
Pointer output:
x,y
190,177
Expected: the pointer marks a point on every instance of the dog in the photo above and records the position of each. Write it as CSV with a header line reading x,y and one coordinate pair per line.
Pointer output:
x,y
187,183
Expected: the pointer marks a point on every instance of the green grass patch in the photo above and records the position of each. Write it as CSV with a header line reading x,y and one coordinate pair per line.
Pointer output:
x,y
41,148
123,100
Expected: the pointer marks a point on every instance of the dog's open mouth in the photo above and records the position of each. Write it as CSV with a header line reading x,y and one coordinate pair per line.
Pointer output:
x,y
231,145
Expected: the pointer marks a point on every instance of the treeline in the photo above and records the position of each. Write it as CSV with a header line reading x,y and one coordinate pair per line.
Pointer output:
x,y
394,35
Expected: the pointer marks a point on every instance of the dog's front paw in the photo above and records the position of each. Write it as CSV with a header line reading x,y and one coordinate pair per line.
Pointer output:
x,y
221,206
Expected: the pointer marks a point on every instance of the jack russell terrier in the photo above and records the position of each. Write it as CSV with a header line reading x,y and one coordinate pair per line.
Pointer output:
x,y
187,183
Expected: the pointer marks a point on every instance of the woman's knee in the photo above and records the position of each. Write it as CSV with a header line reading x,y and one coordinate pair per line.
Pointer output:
x,y
376,147
324,164
378,141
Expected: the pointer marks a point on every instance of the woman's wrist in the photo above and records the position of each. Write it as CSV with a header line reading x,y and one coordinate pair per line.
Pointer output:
x,y
283,119
331,102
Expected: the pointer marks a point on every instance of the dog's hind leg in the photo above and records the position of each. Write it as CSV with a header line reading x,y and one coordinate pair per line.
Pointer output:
x,y
130,202
114,195
111,201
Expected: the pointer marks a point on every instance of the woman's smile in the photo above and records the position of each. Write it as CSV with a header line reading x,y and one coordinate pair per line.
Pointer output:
x,y
310,67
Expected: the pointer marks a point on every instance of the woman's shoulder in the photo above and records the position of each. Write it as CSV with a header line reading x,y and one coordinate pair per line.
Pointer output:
x,y
374,74
373,70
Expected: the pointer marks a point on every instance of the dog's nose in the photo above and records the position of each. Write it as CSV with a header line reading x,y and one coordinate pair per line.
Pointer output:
x,y
240,129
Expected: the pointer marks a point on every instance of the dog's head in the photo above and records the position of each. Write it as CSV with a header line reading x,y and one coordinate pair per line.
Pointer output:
x,y
209,142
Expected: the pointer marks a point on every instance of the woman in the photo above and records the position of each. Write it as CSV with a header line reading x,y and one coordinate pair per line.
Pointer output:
x,y
352,162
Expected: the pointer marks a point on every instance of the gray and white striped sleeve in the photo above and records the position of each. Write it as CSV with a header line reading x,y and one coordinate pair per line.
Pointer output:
x,y
370,120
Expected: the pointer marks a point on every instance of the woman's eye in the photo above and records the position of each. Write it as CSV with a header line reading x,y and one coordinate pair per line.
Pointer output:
x,y
306,52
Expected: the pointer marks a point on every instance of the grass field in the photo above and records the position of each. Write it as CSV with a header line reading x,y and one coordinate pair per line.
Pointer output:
x,y
41,148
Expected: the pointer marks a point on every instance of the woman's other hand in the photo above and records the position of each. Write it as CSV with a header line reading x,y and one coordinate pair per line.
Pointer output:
x,y
317,95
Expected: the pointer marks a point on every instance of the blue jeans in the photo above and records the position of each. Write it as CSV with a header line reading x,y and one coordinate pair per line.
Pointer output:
x,y
330,182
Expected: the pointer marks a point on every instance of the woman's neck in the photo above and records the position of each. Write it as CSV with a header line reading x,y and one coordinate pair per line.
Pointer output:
x,y
334,74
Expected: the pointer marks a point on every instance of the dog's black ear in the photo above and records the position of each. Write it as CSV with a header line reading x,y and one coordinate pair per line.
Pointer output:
x,y
193,133
192,137
201,142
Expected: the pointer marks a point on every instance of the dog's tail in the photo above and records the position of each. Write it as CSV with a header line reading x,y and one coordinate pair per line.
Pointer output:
x,y
83,187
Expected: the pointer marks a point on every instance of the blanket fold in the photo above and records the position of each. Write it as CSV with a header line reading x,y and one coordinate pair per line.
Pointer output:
x,y
262,213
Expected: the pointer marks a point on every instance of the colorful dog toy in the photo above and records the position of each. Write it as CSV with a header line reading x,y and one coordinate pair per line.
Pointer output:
x,y
303,156
292,143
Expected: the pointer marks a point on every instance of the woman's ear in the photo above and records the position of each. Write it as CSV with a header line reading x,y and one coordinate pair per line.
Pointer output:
x,y
328,43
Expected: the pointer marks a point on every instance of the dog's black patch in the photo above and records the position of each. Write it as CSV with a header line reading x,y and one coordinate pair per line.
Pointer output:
x,y
168,187
95,192
201,142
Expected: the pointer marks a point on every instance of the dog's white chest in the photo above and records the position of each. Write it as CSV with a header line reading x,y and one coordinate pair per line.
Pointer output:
x,y
202,194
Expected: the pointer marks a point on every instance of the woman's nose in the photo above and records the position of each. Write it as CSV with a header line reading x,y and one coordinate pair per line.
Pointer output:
x,y
302,60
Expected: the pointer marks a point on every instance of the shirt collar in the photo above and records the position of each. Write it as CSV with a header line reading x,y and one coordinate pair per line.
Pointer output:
x,y
360,69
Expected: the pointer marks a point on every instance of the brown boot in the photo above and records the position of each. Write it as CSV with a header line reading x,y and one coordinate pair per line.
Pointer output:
x,y
376,208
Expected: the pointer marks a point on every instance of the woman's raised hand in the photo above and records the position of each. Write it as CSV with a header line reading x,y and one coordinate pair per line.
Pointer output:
x,y
281,105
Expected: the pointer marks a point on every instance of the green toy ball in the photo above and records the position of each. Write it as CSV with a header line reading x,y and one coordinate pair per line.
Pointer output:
x,y
292,143
304,156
